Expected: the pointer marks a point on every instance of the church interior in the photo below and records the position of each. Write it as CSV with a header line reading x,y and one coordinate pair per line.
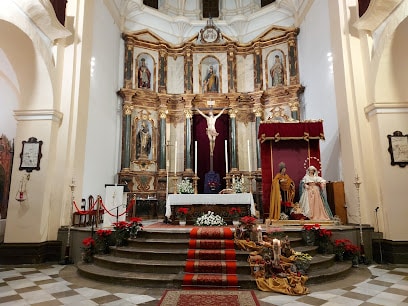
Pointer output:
x,y
125,109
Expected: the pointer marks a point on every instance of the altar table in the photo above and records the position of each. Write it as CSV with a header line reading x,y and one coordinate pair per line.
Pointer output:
x,y
209,200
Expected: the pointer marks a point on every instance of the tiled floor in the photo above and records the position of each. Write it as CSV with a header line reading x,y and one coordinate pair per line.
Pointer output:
x,y
49,285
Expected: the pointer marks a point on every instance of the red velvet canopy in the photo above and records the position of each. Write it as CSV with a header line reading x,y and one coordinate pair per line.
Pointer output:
x,y
295,144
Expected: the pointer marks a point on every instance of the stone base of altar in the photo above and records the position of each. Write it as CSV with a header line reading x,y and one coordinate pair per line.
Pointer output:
x,y
197,210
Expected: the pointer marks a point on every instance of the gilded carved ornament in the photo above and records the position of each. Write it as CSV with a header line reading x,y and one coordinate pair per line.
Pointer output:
x,y
163,113
127,108
233,113
258,112
294,106
188,113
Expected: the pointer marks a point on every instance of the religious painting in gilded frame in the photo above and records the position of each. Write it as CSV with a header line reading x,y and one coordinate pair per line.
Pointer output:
x,y
210,75
398,148
276,64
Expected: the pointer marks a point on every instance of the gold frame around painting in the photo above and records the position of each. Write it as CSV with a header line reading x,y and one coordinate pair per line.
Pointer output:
x,y
139,155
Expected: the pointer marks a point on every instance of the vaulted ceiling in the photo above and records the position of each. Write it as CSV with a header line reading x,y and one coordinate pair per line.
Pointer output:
x,y
179,20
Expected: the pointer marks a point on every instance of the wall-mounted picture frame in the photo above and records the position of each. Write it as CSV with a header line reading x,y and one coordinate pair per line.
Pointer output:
x,y
398,148
30,155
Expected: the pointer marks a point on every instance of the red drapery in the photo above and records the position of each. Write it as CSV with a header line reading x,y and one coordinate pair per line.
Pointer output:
x,y
203,151
295,144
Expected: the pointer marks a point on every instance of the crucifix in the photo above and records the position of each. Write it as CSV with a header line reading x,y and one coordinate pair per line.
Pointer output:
x,y
211,131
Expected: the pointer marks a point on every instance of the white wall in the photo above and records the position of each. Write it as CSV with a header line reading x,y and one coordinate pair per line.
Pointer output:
x,y
9,89
316,74
103,139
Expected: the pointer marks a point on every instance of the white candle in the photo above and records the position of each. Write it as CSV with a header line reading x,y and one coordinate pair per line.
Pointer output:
x,y
195,157
249,158
175,157
259,233
226,157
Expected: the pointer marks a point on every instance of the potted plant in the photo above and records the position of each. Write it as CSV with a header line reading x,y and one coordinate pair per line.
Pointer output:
x,y
352,252
309,233
302,261
181,215
185,187
247,228
135,227
324,240
235,212
103,240
88,249
210,219
121,232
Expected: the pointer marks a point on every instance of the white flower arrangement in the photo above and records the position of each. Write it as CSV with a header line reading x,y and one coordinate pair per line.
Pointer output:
x,y
238,184
210,219
185,187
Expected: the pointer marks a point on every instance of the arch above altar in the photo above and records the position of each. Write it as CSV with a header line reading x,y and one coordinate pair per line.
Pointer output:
x,y
297,144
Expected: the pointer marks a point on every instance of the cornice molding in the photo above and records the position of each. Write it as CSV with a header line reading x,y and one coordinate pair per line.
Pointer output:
x,y
386,108
40,114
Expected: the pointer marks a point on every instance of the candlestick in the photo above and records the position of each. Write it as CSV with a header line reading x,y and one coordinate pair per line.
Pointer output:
x,y
226,156
175,157
195,158
249,157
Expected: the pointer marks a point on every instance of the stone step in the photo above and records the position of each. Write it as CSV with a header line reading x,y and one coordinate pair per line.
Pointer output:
x,y
156,258
147,280
337,270
174,243
151,266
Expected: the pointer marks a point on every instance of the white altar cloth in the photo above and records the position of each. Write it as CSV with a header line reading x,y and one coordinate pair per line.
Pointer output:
x,y
209,199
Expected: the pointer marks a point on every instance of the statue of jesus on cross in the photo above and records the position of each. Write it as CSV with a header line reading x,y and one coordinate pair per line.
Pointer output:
x,y
211,131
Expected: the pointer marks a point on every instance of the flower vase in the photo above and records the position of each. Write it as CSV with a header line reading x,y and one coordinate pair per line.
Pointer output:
x,y
340,256
235,222
182,222
87,256
309,237
323,247
354,261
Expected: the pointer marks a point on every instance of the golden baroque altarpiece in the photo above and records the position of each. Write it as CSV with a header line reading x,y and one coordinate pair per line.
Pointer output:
x,y
164,84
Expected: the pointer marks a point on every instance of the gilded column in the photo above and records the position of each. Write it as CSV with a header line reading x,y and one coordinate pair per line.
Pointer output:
x,y
293,67
189,115
258,67
162,127
233,127
232,82
188,70
294,108
162,71
127,113
258,115
128,63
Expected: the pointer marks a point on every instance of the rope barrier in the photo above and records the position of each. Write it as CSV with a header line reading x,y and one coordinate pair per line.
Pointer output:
x,y
99,200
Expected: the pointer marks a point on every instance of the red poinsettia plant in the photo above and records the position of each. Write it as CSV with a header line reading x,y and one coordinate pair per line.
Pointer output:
x,y
248,220
103,240
182,212
234,212
103,233
325,234
346,248
135,227
311,227
88,249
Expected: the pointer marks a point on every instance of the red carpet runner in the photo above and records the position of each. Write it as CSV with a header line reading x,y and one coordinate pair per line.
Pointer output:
x,y
211,261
